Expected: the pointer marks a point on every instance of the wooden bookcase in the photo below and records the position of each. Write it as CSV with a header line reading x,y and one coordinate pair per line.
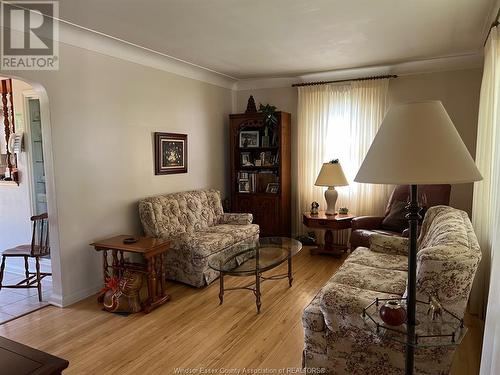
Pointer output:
x,y
251,184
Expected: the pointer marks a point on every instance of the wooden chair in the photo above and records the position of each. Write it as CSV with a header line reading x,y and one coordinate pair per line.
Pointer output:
x,y
39,247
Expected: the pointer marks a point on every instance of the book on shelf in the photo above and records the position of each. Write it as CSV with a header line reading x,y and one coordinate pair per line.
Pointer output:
x,y
255,182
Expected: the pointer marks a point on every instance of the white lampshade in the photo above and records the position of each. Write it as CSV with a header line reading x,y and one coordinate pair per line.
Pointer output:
x,y
331,174
417,143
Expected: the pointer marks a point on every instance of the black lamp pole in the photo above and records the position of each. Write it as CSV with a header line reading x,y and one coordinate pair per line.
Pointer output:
x,y
413,217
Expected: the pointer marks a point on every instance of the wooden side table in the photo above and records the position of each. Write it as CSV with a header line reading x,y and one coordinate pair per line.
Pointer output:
x,y
153,251
328,223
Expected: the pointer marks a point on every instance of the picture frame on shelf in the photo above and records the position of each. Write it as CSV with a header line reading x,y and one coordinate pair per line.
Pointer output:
x,y
171,153
249,138
246,159
244,186
273,187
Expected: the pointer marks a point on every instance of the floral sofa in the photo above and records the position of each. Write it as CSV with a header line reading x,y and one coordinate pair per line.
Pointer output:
x,y
336,337
198,228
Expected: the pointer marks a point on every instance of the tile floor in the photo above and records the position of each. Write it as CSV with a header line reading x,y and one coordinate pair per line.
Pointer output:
x,y
18,302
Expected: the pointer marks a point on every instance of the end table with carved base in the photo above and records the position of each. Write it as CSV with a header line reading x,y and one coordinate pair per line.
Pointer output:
x,y
329,223
153,251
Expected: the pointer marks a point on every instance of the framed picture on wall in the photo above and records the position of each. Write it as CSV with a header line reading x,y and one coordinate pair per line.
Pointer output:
x,y
171,153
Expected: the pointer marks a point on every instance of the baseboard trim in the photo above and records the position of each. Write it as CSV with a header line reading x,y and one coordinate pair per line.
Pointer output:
x,y
67,300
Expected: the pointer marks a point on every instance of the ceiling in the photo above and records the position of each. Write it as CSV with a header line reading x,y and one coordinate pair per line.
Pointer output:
x,y
275,38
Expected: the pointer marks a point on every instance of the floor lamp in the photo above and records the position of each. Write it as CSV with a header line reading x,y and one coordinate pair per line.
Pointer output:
x,y
417,143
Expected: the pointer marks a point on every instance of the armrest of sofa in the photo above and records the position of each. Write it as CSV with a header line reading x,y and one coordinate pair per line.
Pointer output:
x,y
366,222
342,305
381,243
237,219
406,232
447,273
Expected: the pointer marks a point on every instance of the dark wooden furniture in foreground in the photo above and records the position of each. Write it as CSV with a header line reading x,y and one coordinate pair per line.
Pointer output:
x,y
328,223
39,247
19,359
8,128
262,190
153,250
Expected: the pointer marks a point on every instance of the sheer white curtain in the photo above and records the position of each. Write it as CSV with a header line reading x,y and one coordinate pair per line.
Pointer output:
x,y
339,122
486,207
485,202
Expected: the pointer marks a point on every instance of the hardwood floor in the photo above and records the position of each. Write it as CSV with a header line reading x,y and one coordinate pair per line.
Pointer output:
x,y
193,331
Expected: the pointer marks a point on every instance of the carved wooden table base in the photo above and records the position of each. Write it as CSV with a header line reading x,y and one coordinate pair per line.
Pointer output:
x,y
153,251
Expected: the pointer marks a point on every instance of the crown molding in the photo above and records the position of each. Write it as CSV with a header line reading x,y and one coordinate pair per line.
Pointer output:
x,y
92,40
104,44
84,38
439,64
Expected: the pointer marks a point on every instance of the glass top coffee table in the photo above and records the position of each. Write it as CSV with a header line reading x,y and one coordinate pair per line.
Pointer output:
x,y
254,258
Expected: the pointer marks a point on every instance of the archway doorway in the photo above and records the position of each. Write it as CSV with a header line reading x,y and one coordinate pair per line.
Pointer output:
x,y
32,194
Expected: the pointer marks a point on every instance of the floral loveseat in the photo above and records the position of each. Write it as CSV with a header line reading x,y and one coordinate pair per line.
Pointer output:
x,y
198,228
336,337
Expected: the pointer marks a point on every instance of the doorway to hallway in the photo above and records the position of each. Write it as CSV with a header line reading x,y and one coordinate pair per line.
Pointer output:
x,y
22,201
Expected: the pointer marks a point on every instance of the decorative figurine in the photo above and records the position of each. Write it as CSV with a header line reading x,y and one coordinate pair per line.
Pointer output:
x,y
314,208
392,313
435,308
343,210
251,107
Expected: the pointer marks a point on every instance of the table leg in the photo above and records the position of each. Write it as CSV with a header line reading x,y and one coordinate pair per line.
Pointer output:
x,y
116,263
330,248
221,288
152,278
290,274
105,265
156,271
257,291
122,263
105,273
163,275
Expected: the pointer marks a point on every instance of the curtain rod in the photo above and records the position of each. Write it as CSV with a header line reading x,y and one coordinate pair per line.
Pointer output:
x,y
343,80
495,23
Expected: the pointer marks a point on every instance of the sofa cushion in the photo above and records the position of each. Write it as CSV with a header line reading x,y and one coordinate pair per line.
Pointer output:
x,y
366,257
199,244
204,243
237,232
171,214
371,278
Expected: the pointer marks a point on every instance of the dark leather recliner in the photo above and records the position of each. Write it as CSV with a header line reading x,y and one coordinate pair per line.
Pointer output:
x,y
364,226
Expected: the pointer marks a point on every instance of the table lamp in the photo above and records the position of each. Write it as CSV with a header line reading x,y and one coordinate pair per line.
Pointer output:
x,y
331,175
417,143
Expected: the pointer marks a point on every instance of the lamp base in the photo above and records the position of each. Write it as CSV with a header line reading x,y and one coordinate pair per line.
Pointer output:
x,y
331,196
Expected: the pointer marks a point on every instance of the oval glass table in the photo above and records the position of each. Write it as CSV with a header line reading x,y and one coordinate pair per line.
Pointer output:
x,y
253,259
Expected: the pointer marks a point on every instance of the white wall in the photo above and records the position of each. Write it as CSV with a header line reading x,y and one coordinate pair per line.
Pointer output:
x,y
458,90
103,112
15,201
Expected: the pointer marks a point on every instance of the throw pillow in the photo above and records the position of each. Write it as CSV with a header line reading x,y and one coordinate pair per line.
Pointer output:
x,y
395,221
